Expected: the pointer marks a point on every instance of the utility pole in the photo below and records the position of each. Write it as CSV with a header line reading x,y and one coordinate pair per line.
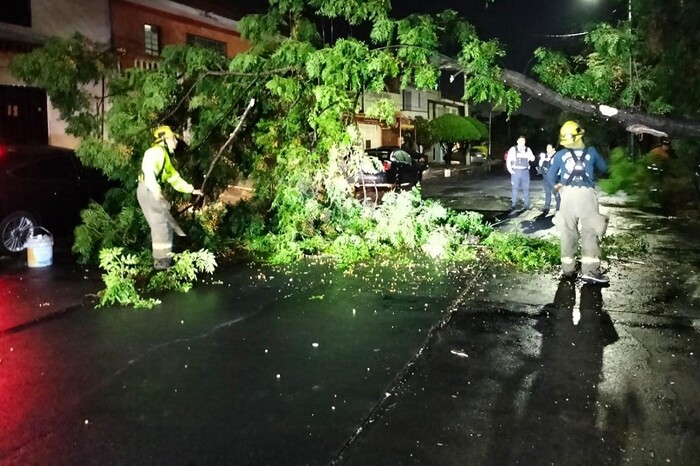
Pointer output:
x,y
629,21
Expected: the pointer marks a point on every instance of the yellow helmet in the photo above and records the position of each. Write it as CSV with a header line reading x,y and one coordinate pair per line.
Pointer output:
x,y
162,132
570,132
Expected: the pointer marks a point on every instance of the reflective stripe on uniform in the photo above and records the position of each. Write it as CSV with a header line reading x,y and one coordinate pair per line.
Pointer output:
x,y
161,245
589,260
567,260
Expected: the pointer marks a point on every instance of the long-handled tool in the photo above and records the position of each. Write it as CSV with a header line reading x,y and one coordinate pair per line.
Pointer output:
x,y
250,105
173,223
228,141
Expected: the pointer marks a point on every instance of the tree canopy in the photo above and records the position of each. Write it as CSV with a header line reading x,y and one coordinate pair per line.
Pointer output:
x,y
295,142
450,129
646,69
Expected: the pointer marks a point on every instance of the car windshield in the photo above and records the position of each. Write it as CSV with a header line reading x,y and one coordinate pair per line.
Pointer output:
x,y
402,156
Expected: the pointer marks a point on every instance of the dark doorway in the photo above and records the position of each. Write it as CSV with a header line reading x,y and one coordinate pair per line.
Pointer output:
x,y
23,115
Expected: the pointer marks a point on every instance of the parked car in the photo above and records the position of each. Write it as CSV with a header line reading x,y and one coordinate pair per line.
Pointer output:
x,y
43,186
402,167
478,155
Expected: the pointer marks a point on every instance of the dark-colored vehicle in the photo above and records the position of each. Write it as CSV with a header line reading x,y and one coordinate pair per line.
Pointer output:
x,y
401,167
43,186
420,161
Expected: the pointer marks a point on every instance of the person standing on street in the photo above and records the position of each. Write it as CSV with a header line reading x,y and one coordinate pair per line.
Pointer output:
x,y
573,176
544,164
518,165
156,168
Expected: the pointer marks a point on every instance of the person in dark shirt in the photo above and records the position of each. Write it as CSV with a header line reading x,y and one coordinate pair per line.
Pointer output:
x,y
543,167
573,176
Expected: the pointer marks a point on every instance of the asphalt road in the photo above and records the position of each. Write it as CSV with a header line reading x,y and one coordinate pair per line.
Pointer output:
x,y
310,365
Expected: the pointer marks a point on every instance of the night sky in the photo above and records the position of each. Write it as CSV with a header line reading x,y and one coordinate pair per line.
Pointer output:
x,y
521,25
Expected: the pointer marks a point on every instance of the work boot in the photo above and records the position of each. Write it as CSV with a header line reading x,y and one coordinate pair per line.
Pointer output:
x,y
595,278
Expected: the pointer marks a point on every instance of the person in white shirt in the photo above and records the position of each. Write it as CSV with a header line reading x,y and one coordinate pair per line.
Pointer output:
x,y
518,165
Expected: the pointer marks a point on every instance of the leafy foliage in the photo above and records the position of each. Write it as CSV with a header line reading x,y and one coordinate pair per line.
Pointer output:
x,y
651,180
122,272
296,146
117,222
624,174
649,64
127,276
450,129
625,245
523,252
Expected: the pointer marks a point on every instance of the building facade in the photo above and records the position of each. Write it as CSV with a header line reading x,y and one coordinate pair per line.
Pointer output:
x,y
412,103
136,29
26,116
142,28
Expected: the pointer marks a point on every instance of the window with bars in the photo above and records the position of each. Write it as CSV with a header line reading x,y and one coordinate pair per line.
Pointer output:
x,y
407,100
207,43
151,35
412,101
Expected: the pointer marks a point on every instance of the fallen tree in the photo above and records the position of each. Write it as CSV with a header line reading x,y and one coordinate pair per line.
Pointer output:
x,y
633,121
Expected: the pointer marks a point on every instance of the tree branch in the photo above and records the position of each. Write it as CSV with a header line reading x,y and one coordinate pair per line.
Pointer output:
x,y
672,127
253,74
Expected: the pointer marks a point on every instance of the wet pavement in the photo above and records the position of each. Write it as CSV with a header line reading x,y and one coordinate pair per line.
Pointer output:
x,y
313,365
29,296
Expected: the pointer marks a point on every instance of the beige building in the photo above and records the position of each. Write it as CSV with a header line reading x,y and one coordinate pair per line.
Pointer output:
x,y
411,103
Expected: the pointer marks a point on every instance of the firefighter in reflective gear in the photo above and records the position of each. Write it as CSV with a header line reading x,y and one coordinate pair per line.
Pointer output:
x,y
573,175
156,168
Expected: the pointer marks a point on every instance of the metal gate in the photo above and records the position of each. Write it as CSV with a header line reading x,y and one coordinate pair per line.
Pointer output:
x,y
23,117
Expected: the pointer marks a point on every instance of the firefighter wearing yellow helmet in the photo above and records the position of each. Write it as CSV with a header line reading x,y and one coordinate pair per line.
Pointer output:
x,y
156,168
572,174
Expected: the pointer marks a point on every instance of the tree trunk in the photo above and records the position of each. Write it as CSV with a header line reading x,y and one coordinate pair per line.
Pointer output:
x,y
672,127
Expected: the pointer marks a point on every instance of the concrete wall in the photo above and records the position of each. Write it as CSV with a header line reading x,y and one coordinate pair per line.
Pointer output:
x,y
64,17
371,135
